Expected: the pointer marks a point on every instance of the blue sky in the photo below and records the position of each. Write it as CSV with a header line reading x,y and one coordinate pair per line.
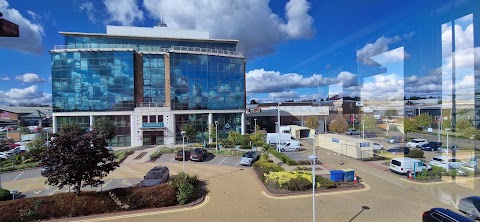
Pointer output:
x,y
295,49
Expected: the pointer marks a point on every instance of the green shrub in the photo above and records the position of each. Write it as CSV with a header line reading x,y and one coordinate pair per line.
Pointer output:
x,y
299,184
416,154
263,167
155,155
187,187
5,195
325,183
121,155
9,167
284,158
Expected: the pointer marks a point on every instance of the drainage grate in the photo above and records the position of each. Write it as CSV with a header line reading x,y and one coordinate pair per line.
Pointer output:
x,y
140,155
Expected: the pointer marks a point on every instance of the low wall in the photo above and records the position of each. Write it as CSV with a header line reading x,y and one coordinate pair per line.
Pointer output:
x,y
345,145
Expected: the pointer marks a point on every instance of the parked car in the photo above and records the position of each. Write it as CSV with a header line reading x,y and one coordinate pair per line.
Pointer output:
x,y
5,155
249,158
377,146
179,155
399,150
157,175
431,146
395,139
452,148
199,154
470,206
447,163
291,145
407,165
416,143
465,170
353,132
442,214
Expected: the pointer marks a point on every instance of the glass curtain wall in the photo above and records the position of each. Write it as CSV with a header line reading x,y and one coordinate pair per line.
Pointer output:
x,y
153,79
200,123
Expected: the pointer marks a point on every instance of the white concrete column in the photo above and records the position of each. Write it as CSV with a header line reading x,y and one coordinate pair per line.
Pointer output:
x,y
243,123
210,122
133,135
91,121
54,124
169,124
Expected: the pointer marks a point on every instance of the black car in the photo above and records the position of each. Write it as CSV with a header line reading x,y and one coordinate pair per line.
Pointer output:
x,y
399,149
199,154
431,146
156,175
179,155
441,214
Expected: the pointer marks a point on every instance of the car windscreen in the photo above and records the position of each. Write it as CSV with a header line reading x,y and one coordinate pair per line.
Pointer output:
x,y
396,163
248,155
153,175
476,203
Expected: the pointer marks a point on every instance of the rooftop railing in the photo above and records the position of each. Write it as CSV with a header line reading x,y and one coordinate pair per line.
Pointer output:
x,y
150,104
153,49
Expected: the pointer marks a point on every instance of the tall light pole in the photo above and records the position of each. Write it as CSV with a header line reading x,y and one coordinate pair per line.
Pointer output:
x,y
363,129
278,124
255,125
313,161
447,129
325,123
216,135
183,137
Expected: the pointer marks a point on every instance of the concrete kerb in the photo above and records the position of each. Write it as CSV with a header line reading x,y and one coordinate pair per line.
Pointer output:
x,y
440,182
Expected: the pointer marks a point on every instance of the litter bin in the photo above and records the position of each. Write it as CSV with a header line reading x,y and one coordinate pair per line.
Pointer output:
x,y
336,175
349,174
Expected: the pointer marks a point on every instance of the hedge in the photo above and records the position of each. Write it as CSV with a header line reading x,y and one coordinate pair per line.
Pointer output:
x,y
284,158
121,155
9,167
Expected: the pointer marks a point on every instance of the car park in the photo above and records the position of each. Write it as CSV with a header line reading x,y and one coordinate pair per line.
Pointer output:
x,y
407,165
395,139
442,214
431,146
377,146
249,158
157,175
353,132
447,163
470,206
416,143
368,135
399,150
199,154
179,155
452,148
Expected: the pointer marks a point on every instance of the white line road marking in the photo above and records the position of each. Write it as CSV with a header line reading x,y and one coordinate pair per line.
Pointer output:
x,y
18,175
236,164
222,161
174,159
53,192
38,191
124,180
104,185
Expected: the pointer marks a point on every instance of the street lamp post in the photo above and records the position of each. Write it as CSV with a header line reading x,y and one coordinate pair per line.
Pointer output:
x,y
216,135
255,125
313,161
447,129
363,129
278,124
183,137
325,123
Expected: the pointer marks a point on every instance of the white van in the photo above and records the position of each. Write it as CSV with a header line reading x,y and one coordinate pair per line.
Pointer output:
x,y
447,163
275,138
405,165
292,145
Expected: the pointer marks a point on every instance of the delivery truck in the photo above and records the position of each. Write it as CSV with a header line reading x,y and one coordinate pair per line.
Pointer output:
x,y
275,138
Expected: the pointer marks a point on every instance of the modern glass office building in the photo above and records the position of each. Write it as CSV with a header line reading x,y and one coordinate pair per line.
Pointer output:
x,y
149,81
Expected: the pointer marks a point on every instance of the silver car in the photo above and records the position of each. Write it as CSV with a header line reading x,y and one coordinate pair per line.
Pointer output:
x,y
395,139
470,206
249,158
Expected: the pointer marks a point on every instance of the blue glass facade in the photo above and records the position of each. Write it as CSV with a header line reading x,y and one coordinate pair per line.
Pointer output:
x,y
92,81
142,44
154,78
204,82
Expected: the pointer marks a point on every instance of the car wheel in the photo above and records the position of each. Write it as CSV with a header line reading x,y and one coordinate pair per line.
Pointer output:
x,y
282,150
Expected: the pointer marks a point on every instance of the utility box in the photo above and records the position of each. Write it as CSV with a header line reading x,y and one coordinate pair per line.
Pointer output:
x,y
337,175
349,174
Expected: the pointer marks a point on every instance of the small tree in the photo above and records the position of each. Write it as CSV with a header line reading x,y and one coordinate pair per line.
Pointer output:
x,y
213,131
257,136
390,113
105,127
339,125
36,148
369,122
423,120
312,122
190,131
71,127
462,125
77,160
234,137
409,125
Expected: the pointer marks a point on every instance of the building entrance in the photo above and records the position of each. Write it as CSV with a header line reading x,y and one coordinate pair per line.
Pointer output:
x,y
153,138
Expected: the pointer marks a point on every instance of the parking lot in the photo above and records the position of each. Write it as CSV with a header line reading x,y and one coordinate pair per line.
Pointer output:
x,y
212,159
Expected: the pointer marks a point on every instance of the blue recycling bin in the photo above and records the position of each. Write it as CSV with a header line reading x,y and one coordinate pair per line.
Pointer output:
x,y
336,175
349,174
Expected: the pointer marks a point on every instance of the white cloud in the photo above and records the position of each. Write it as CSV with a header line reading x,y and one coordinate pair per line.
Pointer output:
x,y
89,8
26,95
4,77
126,12
30,78
31,32
262,81
383,87
250,21
381,45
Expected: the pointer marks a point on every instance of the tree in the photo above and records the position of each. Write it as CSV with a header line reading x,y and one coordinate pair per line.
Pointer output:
x,y
36,148
71,127
213,131
253,102
391,112
190,131
105,127
471,133
77,160
312,122
423,121
462,125
23,130
409,125
369,122
339,125
257,136
234,137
